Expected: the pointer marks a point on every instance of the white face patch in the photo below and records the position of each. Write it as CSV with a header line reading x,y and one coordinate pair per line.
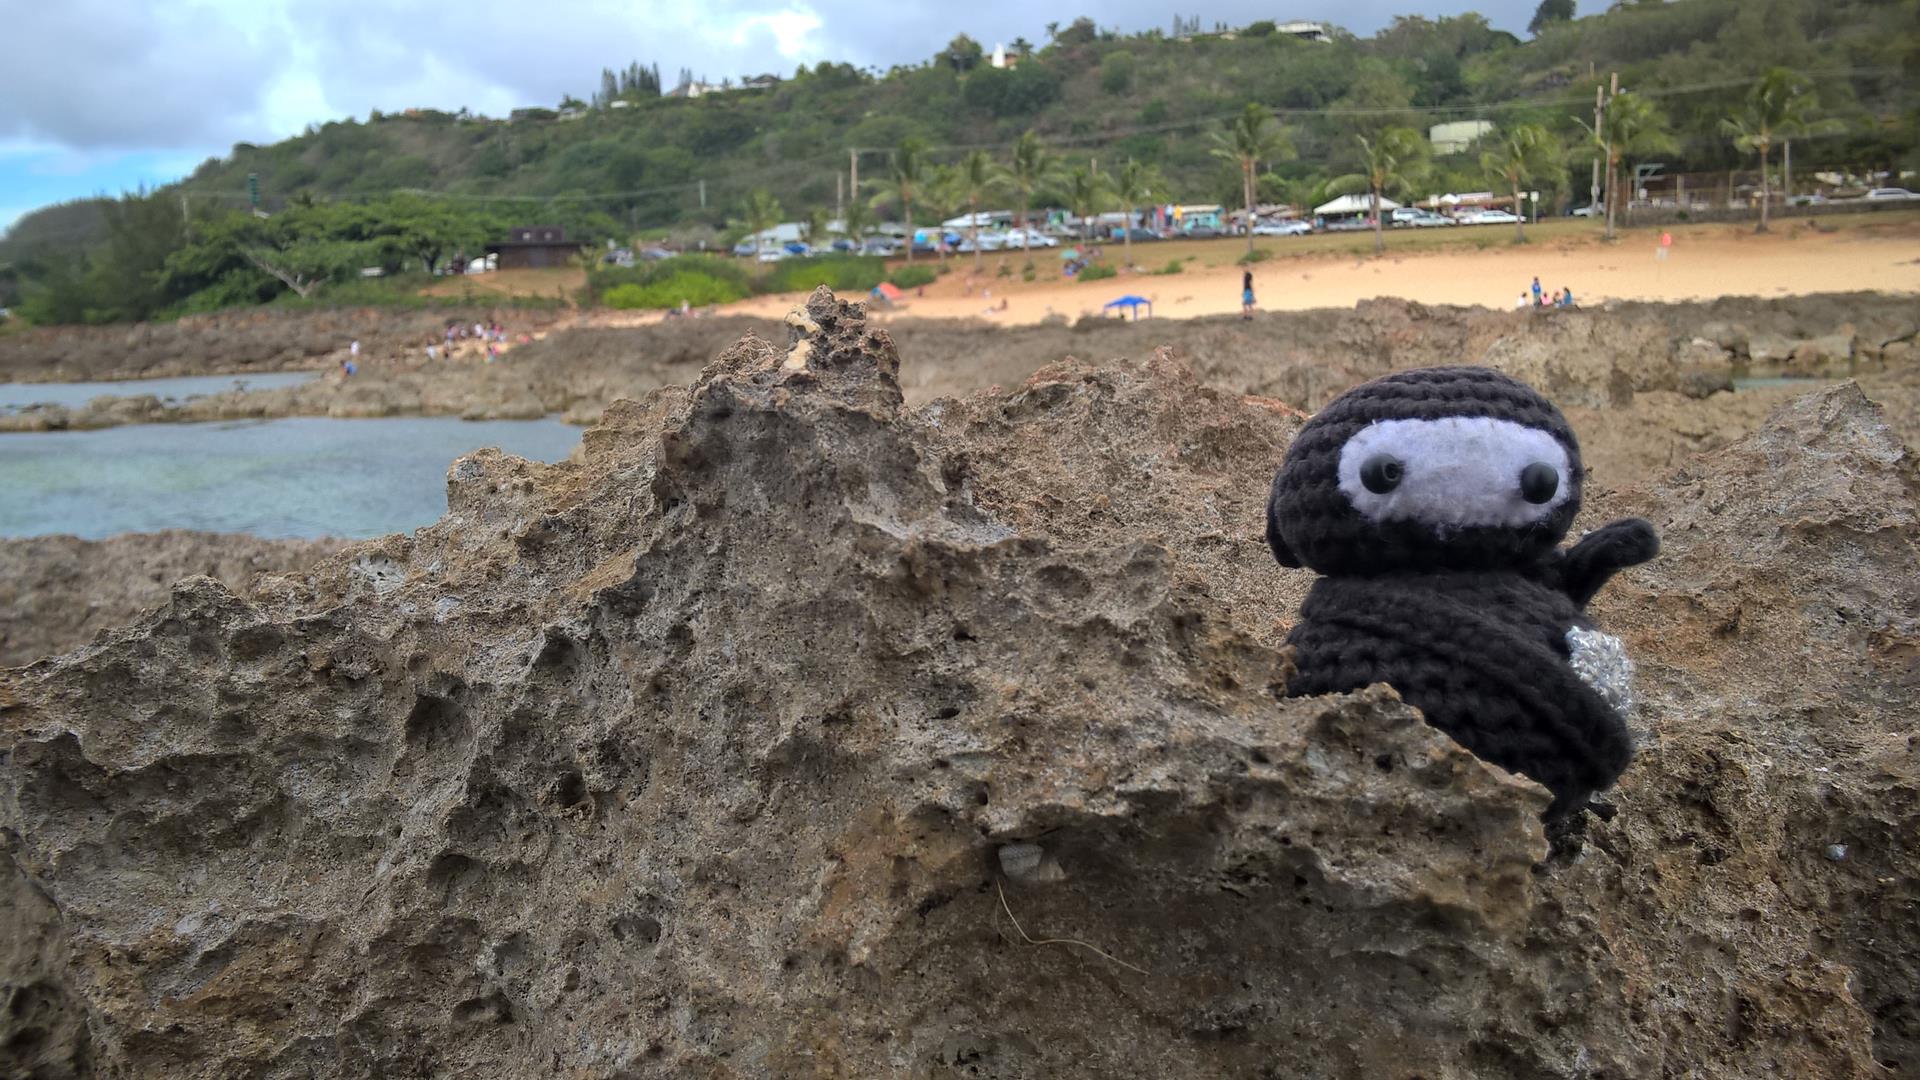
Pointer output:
x,y
1455,472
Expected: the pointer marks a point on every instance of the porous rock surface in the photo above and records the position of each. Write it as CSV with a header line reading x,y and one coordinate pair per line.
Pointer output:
x,y
738,747
58,591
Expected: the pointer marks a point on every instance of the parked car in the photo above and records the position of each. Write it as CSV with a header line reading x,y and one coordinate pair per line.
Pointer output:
x,y
1807,200
880,245
745,247
773,255
1355,224
844,245
1415,218
990,240
1200,232
1586,211
1136,235
1488,217
654,254
1881,194
1294,227
1032,239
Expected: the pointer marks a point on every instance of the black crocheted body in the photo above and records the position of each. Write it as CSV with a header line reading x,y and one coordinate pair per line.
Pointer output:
x,y
1483,655
1425,499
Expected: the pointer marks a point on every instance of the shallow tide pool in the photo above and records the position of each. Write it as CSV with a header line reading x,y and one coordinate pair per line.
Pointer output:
x,y
17,396
296,477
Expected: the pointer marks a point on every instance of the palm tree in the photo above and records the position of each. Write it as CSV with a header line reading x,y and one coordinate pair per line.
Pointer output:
x,y
856,220
1524,153
908,174
1086,197
1033,167
941,194
761,214
1247,141
1630,127
1136,184
815,227
973,177
1394,161
1778,107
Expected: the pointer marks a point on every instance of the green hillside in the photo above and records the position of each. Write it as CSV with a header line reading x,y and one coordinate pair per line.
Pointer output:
x,y
1097,99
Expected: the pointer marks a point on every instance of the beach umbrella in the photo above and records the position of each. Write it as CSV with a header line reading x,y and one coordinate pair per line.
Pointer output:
x,y
1131,303
1069,254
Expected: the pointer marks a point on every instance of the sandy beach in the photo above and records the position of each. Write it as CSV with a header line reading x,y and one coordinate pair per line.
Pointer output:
x,y
1704,261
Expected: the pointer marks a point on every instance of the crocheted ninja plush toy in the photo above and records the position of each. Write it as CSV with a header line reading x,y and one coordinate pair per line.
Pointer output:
x,y
1433,502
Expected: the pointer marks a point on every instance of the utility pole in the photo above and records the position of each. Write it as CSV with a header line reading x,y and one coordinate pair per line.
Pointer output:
x,y
840,196
703,193
853,183
1593,190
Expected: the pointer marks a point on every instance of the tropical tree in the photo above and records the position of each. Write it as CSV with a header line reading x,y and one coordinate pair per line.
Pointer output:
x,y
856,219
761,213
941,195
1548,13
1779,106
815,226
1033,167
1393,161
1135,185
908,174
1521,155
1630,127
972,178
1250,138
1087,194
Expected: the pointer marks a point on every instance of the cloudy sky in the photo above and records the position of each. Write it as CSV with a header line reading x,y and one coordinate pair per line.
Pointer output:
x,y
107,95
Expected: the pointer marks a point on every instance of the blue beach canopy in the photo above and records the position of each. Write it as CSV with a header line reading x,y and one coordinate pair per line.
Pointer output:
x,y
1131,303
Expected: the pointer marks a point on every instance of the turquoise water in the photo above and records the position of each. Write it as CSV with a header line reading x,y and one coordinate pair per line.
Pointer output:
x,y
1767,382
298,477
72,395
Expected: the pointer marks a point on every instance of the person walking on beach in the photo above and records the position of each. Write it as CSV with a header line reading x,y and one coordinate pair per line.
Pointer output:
x,y
1246,295
1536,292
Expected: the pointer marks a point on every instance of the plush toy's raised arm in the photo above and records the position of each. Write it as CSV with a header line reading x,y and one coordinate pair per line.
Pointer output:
x,y
1612,547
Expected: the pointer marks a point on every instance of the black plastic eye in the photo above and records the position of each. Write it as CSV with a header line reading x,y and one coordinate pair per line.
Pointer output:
x,y
1381,473
1538,482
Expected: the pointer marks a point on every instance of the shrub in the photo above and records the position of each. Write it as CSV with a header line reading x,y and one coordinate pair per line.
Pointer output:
x,y
1173,267
1004,270
1097,272
1254,256
697,279
841,273
912,277
1028,273
692,286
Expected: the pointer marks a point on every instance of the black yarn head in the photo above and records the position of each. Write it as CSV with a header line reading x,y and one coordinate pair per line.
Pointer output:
x,y
1446,468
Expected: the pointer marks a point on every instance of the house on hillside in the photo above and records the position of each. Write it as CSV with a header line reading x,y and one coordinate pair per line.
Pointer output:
x,y
534,247
1305,31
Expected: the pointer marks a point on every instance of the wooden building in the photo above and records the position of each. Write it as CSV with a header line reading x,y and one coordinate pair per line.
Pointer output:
x,y
534,247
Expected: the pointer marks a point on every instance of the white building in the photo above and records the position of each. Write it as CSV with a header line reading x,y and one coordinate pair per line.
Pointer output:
x,y
1305,31
1457,135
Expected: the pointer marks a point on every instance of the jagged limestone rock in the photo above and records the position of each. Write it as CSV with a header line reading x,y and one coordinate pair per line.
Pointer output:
x,y
698,756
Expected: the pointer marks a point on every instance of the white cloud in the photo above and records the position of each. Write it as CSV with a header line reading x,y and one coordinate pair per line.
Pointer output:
x,y
793,32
